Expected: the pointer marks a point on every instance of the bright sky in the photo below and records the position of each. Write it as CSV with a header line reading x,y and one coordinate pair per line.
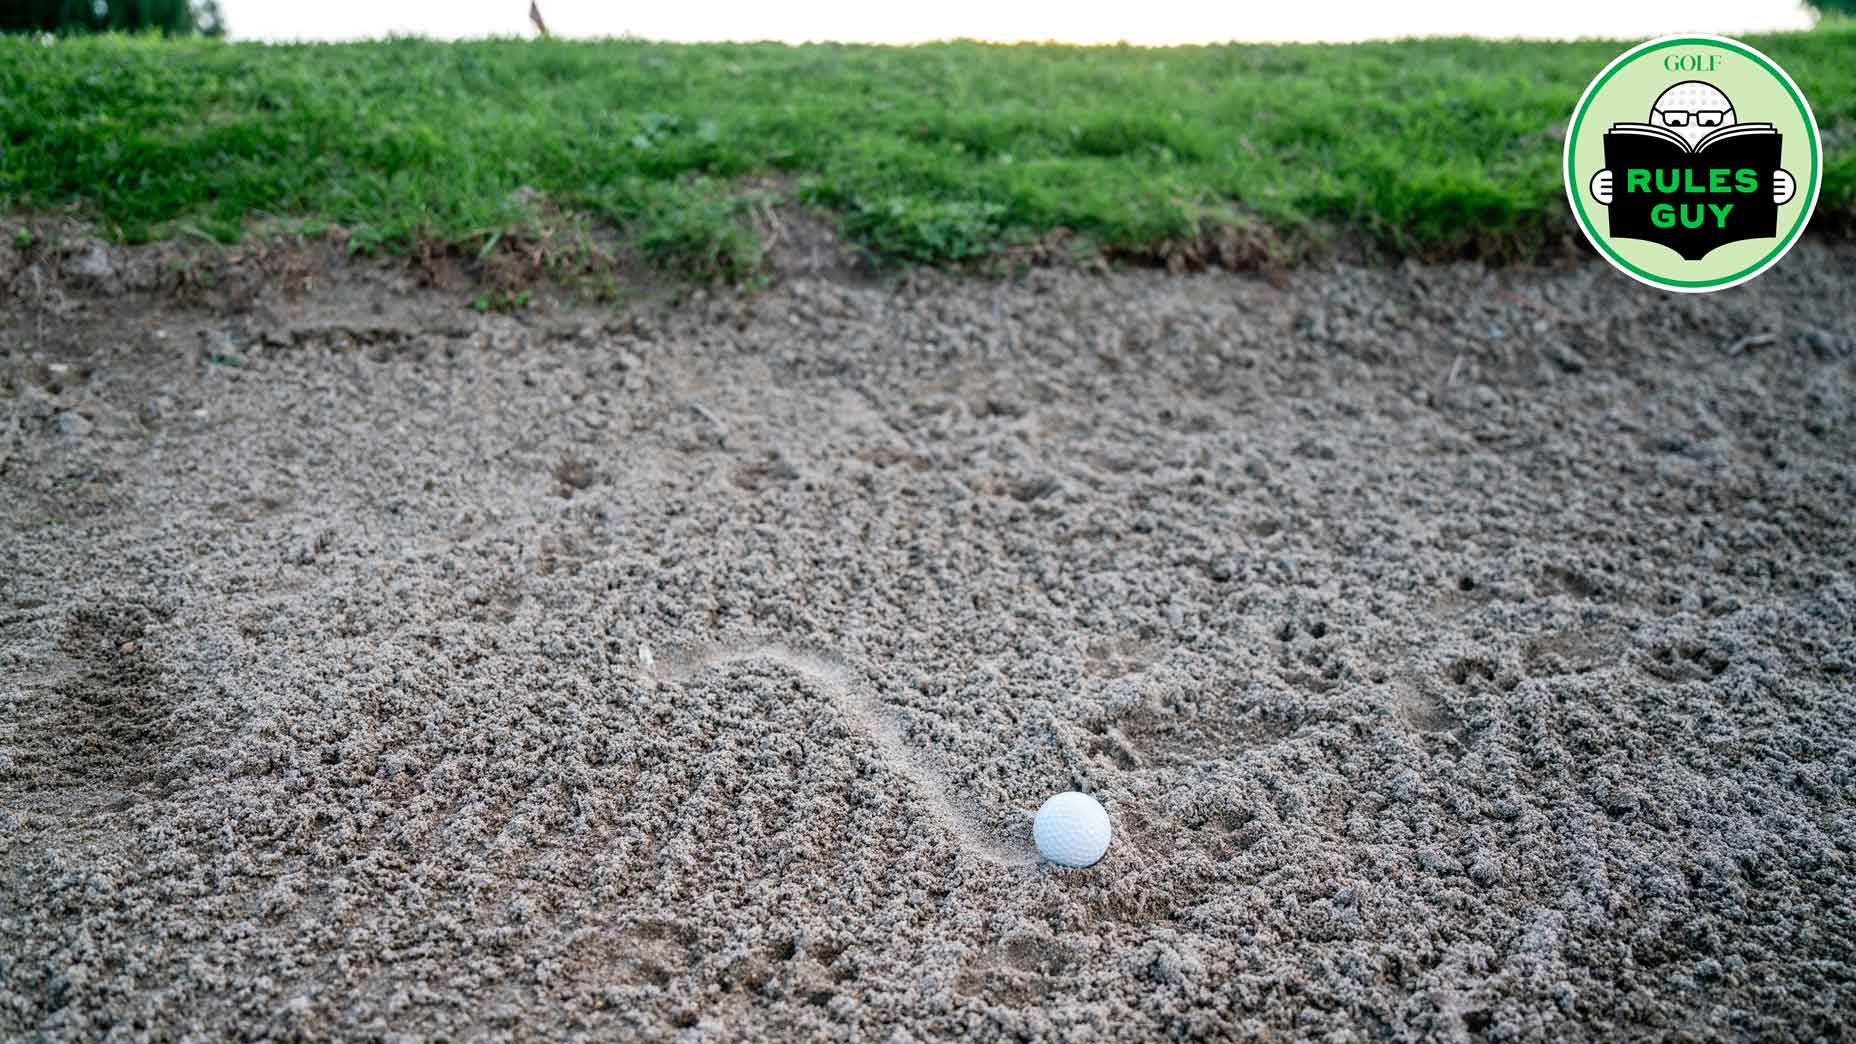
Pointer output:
x,y
1148,22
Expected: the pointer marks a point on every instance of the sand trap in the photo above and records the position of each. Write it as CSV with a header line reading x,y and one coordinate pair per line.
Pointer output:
x,y
1459,654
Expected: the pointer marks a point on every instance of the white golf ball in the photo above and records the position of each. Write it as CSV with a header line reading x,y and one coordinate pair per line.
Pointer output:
x,y
1071,829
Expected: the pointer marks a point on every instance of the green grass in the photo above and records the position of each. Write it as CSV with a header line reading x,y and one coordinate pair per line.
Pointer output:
x,y
934,153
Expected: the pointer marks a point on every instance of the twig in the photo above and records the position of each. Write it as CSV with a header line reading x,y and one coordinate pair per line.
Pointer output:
x,y
702,411
1746,344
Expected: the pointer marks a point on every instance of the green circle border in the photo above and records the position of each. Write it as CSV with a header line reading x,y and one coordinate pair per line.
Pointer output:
x,y
1692,285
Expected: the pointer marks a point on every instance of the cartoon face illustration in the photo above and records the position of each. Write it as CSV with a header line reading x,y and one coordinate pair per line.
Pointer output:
x,y
1677,172
1692,109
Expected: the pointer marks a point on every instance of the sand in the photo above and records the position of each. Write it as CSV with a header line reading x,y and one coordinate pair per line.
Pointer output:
x,y
1460,654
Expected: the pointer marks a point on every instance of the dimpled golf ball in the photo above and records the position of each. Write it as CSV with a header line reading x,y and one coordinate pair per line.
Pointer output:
x,y
1071,829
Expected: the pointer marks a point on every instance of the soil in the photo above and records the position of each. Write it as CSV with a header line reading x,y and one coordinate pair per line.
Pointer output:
x,y
1460,653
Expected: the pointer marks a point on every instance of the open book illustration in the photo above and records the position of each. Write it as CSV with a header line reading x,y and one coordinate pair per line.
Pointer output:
x,y
1718,134
1693,198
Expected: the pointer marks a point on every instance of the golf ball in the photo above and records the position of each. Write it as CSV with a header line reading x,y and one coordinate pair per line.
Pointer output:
x,y
1071,829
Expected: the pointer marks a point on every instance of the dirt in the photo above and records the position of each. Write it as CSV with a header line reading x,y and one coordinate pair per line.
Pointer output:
x,y
1460,654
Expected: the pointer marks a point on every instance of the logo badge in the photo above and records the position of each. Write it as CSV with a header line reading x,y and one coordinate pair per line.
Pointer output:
x,y
1692,163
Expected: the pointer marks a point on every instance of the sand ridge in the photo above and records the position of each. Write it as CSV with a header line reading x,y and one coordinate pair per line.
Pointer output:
x,y
870,717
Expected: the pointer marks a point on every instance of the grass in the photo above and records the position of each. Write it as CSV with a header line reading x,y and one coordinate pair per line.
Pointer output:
x,y
935,153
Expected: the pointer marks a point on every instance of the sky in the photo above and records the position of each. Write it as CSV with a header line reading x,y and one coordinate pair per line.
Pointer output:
x,y
1148,22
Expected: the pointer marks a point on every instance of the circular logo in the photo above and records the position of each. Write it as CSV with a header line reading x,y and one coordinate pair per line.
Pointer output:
x,y
1692,163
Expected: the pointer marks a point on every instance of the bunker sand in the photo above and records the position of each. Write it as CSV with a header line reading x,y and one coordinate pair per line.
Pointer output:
x,y
1459,653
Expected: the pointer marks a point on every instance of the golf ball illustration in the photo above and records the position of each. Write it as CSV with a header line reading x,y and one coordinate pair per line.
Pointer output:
x,y
1071,829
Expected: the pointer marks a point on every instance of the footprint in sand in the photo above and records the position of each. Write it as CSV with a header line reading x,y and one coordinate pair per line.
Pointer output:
x,y
867,714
